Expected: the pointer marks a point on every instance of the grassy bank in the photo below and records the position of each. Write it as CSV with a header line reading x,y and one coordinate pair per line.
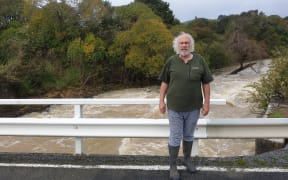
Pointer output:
x,y
280,112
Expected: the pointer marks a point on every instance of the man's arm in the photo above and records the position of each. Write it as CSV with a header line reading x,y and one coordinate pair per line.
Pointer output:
x,y
163,91
206,105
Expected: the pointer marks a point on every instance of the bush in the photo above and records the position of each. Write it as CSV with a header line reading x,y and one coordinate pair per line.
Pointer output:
x,y
273,84
70,77
36,80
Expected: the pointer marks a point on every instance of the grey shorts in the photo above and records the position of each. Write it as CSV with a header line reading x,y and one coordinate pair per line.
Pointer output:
x,y
182,126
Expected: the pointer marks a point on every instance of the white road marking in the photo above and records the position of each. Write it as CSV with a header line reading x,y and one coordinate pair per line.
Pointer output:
x,y
145,168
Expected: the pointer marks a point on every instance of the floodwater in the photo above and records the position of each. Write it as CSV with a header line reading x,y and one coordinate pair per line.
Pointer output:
x,y
230,87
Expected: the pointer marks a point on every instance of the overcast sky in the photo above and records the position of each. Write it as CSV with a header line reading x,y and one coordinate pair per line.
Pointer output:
x,y
189,9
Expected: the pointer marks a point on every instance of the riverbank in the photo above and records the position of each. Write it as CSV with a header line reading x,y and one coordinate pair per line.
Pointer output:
x,y
280,111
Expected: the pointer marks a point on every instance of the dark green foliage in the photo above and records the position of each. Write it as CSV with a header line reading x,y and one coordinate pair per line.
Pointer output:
x,y
217,56
161,9
51,28
9,12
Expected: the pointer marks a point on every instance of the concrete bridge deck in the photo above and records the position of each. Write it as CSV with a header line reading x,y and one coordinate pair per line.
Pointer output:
x,y
267,166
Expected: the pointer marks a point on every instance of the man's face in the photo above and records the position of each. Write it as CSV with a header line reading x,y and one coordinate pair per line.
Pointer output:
x,y
184,45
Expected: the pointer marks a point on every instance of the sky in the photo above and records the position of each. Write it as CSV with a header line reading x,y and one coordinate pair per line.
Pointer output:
x,y
185,10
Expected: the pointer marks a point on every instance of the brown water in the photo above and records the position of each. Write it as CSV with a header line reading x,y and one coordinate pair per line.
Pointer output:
x,y
229,87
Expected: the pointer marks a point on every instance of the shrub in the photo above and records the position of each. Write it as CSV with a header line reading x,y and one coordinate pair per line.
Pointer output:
x,y
273,84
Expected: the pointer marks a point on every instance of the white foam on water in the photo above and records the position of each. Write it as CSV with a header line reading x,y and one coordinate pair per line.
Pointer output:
x,y
136,146
234,87
8,143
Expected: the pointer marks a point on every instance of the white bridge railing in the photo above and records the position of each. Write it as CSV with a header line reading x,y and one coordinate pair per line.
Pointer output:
x,y
80,127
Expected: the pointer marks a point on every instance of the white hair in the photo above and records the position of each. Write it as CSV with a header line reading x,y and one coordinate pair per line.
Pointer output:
x,y
176,39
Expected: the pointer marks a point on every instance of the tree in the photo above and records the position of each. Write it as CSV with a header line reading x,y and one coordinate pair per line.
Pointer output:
x,y
10,12
217,55
149,46
161,9
274,32
92,12
29,7
50,27
12,41
244,49
75,53
127,16
143,49
87,56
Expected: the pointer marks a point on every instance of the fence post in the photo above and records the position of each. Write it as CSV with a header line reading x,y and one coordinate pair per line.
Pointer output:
x,y
78,140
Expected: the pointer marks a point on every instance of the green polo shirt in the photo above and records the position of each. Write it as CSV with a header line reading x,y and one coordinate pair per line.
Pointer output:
x,y
184,82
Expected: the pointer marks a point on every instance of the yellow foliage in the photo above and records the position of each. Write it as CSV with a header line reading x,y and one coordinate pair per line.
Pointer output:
x,y
149,46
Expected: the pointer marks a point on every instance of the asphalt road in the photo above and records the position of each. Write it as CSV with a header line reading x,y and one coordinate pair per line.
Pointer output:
x,y
267,166
36,173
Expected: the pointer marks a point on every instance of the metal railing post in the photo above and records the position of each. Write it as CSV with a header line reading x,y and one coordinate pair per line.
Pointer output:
x,y
78,140
77,111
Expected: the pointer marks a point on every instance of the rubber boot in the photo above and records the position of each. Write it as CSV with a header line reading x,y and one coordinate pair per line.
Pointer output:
x,y
187,147
173,154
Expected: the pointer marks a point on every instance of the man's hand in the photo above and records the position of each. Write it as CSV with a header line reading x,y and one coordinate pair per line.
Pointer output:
x,y
205,109
162,107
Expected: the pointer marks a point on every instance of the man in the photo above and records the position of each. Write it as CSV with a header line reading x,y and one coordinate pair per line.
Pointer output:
x,y
184,77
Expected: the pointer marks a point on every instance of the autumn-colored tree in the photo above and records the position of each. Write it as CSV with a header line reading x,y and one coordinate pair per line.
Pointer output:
x,y
149,47
87,56
144,47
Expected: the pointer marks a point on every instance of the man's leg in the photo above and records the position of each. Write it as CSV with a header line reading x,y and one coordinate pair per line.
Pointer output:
x,y
190,123
175,138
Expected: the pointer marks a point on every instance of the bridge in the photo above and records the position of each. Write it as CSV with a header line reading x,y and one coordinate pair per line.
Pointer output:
x,y
80,127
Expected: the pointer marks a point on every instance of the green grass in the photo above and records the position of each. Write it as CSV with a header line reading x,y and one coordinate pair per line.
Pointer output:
x,y
280,112
241,163
276,115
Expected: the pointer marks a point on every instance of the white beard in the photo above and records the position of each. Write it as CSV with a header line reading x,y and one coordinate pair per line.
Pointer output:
x,y
184,53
